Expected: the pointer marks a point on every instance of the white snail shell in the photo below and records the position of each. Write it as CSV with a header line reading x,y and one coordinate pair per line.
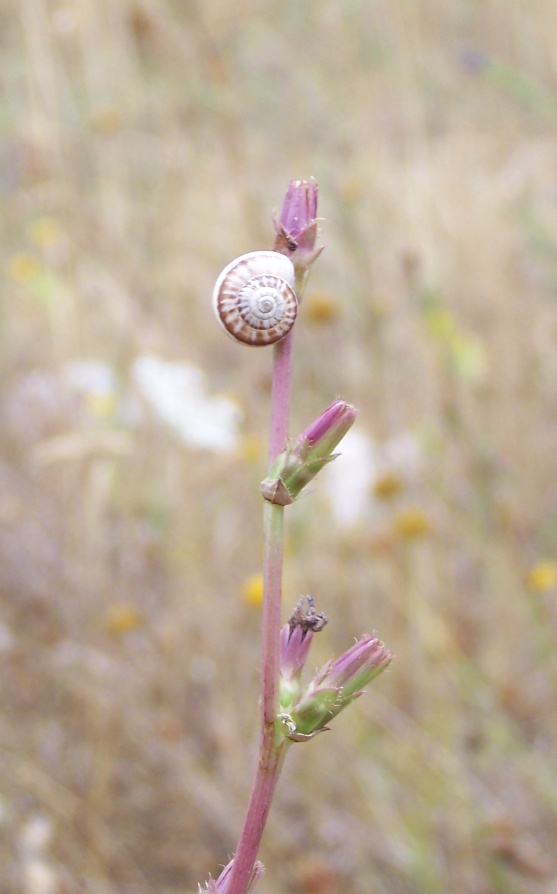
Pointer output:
x,y
254,298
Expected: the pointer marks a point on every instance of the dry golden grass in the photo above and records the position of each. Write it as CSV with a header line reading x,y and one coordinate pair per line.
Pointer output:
x,y
144,143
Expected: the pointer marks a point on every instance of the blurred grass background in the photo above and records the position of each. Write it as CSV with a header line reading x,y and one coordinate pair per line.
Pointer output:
x,y
144,143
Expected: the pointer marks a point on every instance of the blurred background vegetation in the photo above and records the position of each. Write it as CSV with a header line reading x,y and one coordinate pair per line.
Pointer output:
x,y
145,143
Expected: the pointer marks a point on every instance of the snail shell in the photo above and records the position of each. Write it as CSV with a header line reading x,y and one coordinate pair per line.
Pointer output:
x,y
254,299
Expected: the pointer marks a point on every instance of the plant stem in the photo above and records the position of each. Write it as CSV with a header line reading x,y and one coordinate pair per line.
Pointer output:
x,y
273,517
273,534
280,396
270,762
271,755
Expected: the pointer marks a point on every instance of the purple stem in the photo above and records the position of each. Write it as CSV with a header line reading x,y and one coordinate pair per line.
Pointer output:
x,y
273,518
270,762
280,395
271,755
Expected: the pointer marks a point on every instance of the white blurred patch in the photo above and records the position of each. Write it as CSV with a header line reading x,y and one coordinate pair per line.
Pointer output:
x,y
96,385
38,876
41,402
90,377
7,640
33,404
177,393
92,396
36,835
401,454
350,479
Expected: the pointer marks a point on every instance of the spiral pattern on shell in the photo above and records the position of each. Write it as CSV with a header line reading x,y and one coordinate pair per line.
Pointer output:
x,y
254,299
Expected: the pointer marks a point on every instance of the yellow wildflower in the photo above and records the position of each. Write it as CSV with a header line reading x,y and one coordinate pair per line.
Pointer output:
x,y
412,523
542,576
252,449
387,486
320,307
121,618
23,267
106,121
45,231
101,404
252,590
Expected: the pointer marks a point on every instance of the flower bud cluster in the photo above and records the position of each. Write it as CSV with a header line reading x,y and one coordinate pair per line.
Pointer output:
x,y
305,711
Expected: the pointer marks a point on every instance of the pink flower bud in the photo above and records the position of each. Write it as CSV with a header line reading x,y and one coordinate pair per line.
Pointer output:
x,y
299,209
296,231
295,640
338,684
299,463
322,436
358,666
